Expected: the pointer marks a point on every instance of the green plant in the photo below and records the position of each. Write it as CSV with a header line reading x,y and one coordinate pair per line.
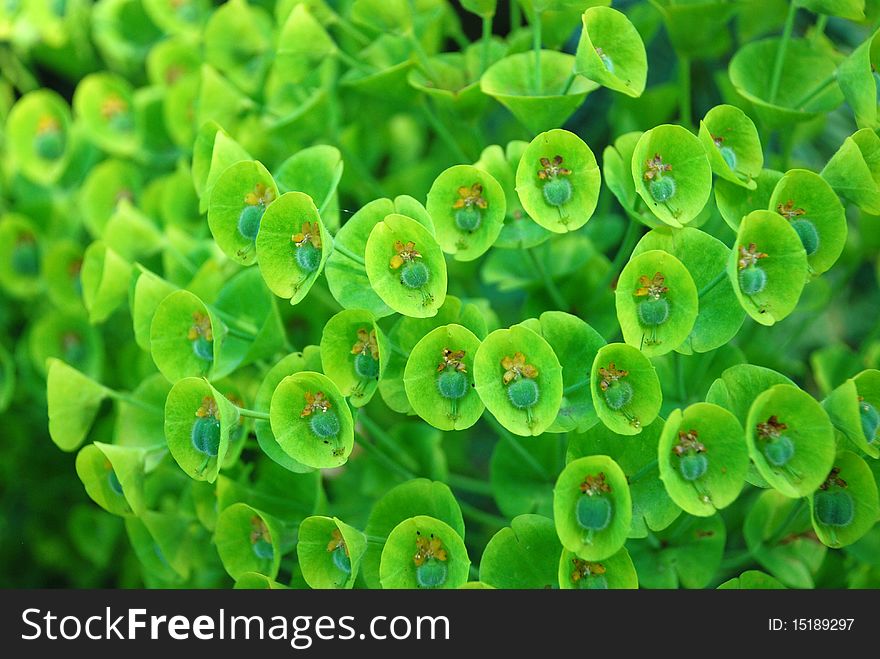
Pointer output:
x,y
321,300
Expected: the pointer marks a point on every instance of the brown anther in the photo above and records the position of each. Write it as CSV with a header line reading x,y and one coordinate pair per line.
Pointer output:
x,y
337,541
688,442
594,485
406,253
208,409
428,548
201,327
309,233
584,569
652,287
452,359
772,428
471,196
366,343
655,168
314,402
749,257
552,168
515,368
833,480
788,210
609,375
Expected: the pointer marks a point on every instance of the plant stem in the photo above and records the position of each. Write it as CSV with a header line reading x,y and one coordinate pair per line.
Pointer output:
x,y
679,376
644,471
443,133
721,276
780,531
547,280
127,398
235,326
630,238
519,449
780,52
254,414
337,247
568,83
684,89
486,43
475,514
388,462
345,26
364,175
536,46
575,387
352,62
469,484
821,87
515,15
375,539
422,56
382,438
819,30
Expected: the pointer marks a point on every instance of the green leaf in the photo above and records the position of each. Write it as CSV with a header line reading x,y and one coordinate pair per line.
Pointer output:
x,y
855,75
113,477
850,408
611,52
523,555
39,134
73,400
854,171
615,572
315,171
104,277
248,540
355,373
521,474
735,202
697,28
20,256
850,489
104,103
732,145
329,552
854,10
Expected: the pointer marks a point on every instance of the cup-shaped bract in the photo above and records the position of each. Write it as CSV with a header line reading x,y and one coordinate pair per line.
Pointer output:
x,y
672,174
454,80
767,266
239,41
752,580
439,378
732,145
389,61
857,79
292,246
801,91
511,82
519,379
38,135
468,207
73,403
69,337
703,458
845,506
558,181
248,540
592,507
790,439
854,10
21,258
854,170
113,477
315,171
626,391
104,278
611,52
734,201
575,344
105,105
329,552
354,353
814,211
616,572
198,420
617,170
311,420
853,408
697,28
106,185
240,197
406,267
213,152
657,302
162,543
720,316
522,555
426,553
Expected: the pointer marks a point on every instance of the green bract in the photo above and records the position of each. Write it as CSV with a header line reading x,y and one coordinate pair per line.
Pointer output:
x,y
467,206
615,572
656,302
248,541
625,388
105,104
845,506
672,174
311,420
113,477
736,201
732,144
592,507
519,379
354,352
611,52
858,83
424,552
524,555
703,458
39,132
854,171
853,410
768,266
557,181
790,439
21,259
329,552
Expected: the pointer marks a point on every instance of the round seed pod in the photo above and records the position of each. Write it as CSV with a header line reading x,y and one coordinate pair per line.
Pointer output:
x,y
845,507
329,552
489,376
558,181
612,573
656,302
105,104
672,153
611,52
468,208
297,433
814,211
417,285
581,527
806,426
703,458
732,144
444,399
784,266
38,135
639,401
248,540
354,354
424,552
198,421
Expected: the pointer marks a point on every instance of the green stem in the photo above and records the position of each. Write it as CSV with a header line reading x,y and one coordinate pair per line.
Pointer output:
x,y
382,438
630,238
518,448
388,462
352,62
469,484
422,56
458,35
568,83
127,398
473,572
337,247
180,257
821,87
443,133
780,52
235,326
781,530
679,376
684,90
349,29
536,46
515,15
653,540
721,276
819,30
375,539
254,414
570,389
644,471
475,514
737,561
486,43
547,280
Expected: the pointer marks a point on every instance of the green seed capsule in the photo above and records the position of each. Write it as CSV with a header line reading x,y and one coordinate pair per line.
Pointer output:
x,y
25,258
593,512
779,451
662,189
113,481
557,191
121,122
870,420
263,549
203,348
49,145
341,560
692,466
414,274
607,61
468,218
834,507
365,366
452,384
729,156
618,394
431,574
808,234
752,280
308,257
206,435
653,312
249,221
523,393
324,424
593,582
